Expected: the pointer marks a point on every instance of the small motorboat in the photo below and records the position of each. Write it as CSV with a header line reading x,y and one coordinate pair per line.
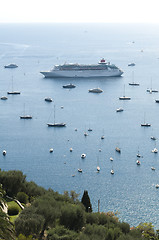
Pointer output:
x,y
157,186
98,168
153,168
48,99
117,149
138,162
4,98
155,150
51,150
119,110
11,65
71,149
112,171
80,170
4,152
85,134
69,86
153,138
102,137
111,159
131,64
95,90
83,155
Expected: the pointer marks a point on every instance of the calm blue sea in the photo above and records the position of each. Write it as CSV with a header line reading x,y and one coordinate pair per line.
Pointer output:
x,y
35,47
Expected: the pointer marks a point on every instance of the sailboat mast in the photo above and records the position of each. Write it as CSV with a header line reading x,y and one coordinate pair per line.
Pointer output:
x,y
12,83
54,114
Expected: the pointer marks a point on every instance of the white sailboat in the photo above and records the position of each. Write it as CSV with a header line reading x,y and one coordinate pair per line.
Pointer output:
x,y
24,116
151,90
124,97
144,124
13,92
133,83
54,124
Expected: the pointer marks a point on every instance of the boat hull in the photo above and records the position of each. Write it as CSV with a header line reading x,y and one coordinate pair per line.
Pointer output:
x,y
56,124
82,74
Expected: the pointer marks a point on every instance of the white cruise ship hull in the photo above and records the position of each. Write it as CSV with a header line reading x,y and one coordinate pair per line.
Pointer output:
x,y
82,74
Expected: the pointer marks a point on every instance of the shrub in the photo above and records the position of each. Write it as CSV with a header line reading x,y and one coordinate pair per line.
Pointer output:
x,y
22,197
72,217
13,210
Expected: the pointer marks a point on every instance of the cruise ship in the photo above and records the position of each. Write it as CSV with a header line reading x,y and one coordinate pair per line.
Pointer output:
x,y
102,69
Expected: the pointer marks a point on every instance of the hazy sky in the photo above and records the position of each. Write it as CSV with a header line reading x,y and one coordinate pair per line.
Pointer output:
x,y
79,11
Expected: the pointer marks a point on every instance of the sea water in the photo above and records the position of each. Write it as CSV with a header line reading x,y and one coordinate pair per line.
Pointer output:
x,y
36,47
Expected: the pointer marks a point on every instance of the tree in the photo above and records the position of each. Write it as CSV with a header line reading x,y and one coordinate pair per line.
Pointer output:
x,y
12,181
48,208
22,197
6,227
72,217
147,230
86,201
61,233
28,222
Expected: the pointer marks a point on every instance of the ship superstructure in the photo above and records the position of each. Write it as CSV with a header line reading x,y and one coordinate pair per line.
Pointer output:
x,y
102,69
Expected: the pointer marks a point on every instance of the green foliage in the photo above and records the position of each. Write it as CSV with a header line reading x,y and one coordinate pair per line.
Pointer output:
x,y
136,233
125,227
92,218
72,217
28,222
94,232
86,201
33,190
13,210
61,233
6,228
12,181
22,197
103,219
22,237
147,230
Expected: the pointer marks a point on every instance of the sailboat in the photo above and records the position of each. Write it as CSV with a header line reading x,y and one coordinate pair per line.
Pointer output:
x,y
25,116
145,124
150,90
124,97
133,83
13,92
54,124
